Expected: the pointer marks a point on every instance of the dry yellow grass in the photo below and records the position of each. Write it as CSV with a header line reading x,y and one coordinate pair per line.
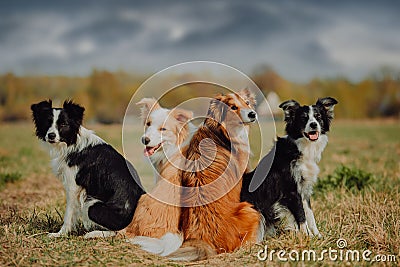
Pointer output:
x,y
367,219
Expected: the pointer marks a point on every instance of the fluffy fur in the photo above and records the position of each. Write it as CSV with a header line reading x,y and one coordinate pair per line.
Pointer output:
x,y
215,226
287,187
155,226
98,181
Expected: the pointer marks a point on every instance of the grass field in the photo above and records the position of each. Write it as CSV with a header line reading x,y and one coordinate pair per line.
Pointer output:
x,y
32,204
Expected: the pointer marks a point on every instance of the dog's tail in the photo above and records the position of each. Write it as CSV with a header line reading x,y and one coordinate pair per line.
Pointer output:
x,y
193,250
163,246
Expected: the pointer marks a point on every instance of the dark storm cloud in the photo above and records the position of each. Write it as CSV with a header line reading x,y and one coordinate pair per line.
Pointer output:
x,y
243,22
300,39
104,30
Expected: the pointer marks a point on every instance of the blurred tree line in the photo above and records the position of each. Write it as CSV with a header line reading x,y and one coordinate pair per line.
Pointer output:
x,y
378,95
105,95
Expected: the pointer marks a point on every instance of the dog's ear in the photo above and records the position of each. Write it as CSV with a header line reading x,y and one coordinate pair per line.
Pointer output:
x,y
41,106
248,95
74,111
328,103
147,105
182,115
217,109
289,107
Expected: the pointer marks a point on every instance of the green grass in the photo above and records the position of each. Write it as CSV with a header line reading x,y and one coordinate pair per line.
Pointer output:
x,y
366,153
8,178
345,177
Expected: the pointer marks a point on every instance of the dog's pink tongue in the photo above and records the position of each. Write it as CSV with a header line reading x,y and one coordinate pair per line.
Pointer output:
x,y
313,136
148,151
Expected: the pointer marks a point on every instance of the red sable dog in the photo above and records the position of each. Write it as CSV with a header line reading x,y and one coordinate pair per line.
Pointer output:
x,y
213,219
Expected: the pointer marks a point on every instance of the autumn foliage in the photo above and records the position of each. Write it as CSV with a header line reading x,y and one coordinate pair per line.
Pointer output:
x,y
106,94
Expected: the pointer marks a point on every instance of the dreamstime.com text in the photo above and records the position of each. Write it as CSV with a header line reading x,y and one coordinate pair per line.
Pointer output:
x,y
340,253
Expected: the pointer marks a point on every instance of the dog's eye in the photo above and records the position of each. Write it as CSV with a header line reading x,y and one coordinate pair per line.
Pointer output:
x,y
163,129
148,123
248,102
63,124
234,107
317,116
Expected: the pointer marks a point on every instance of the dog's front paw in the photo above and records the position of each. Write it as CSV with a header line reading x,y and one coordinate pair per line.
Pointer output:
x,y
56,235
316,233
100,234
304,229
63,232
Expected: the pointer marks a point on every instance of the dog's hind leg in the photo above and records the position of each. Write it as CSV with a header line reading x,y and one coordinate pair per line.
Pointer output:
x,y
294,203
262,229
269,217
109,217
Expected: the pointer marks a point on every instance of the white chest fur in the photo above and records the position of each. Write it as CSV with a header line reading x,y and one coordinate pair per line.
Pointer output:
x,y
73,192
305,169
65,173
59,153
240,139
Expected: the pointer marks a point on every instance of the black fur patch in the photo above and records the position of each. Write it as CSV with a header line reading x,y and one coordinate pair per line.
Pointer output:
x,y
69,121
278,185
42,115
105,175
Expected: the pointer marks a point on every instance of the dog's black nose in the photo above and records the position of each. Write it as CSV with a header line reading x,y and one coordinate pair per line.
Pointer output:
x,y
145,140
313,125
252,115
51,136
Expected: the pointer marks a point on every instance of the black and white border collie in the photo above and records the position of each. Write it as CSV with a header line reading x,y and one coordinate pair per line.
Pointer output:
x,y
286,188
100,186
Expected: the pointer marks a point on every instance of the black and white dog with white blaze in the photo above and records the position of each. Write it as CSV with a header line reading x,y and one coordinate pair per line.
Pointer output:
x,y
102,187
285,189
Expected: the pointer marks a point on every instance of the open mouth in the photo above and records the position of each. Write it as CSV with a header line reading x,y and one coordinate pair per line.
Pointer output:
x,y
248,122
150,150
312,136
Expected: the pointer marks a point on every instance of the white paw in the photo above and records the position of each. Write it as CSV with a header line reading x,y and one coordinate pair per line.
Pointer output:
x,y
305,230
56,235
100,234
316,232
91,235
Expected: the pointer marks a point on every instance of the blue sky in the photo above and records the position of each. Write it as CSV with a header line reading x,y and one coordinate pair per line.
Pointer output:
x,y
299,39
